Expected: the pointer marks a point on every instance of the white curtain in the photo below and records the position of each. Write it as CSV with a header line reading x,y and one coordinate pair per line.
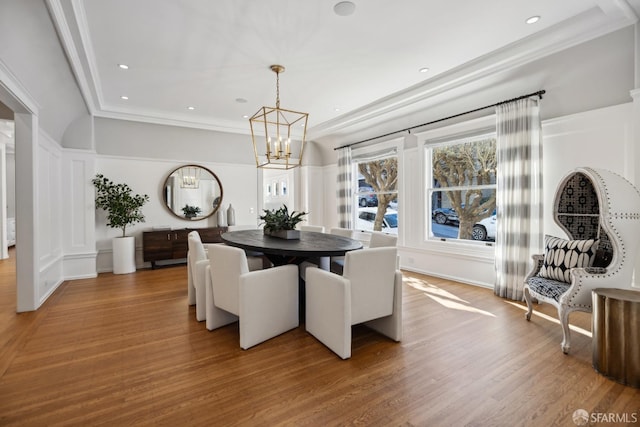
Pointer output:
x,y
345,190
519,204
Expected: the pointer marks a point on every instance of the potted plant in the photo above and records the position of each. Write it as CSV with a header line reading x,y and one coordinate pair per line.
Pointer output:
x,y
123,209
191,211
279,223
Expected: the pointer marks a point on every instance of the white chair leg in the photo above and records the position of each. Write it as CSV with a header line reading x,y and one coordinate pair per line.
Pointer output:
x,y
216,317
391,326
201,272
527,298
330,327
191,291
563,314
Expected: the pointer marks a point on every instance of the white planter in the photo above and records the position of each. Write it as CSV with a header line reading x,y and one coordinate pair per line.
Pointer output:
x,y
124,255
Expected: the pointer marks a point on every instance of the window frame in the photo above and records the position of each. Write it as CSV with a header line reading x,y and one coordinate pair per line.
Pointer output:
x,y
360,155
434,137
430,189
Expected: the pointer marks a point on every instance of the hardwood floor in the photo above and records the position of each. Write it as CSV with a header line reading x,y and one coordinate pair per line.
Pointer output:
x,y
126,350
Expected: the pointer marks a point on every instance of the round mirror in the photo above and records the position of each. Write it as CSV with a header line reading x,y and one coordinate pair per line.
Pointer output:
x,y
192,192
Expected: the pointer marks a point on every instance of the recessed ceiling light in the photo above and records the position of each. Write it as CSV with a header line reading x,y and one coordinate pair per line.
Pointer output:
x,y
533,20
424,70
344,8
241,100
124,97
123,66
191,108
245,117
336,109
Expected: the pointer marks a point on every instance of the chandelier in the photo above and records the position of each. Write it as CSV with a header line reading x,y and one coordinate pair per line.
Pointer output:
x,y
189,177
278,134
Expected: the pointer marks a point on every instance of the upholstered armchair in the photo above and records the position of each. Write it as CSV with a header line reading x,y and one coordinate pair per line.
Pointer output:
x,y
369,292
322,262
315,228
380,240
256,260
197,264
337,262
600,213
265,302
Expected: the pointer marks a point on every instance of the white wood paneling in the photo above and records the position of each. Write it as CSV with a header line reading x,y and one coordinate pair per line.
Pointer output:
x,y
78,222
599,138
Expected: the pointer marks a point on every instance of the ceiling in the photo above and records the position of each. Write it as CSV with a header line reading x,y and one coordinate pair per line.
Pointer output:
x,y
346,71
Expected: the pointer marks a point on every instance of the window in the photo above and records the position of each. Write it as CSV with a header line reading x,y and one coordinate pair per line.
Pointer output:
x,y
376,201
462,189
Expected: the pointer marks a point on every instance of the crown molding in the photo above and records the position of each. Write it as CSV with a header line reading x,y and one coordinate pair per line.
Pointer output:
x,y
160,119
607,17
85,82
579,29
18,97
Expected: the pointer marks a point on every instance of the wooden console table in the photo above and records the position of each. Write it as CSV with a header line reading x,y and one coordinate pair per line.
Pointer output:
x,y
163,245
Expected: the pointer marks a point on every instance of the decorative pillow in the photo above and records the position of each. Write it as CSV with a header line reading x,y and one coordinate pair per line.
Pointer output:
x,y
562,255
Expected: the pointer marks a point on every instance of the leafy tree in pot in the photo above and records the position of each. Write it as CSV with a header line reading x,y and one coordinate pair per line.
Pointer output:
x,y
122,207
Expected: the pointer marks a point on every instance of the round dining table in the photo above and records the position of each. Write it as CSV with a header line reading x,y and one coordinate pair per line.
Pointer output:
x,y
283,251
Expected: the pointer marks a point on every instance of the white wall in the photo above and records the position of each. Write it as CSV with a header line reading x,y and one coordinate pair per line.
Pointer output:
x,y
311,194
600,138
147,176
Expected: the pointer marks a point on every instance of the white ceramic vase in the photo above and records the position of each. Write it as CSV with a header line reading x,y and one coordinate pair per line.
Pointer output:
x,y
231,215
124,255
222,222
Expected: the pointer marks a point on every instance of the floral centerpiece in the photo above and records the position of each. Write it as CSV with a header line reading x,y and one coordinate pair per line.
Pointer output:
x,y
279,223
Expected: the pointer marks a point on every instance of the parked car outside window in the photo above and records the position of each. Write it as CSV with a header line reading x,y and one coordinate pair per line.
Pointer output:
x,y
445,216
366,196
367,217
485,229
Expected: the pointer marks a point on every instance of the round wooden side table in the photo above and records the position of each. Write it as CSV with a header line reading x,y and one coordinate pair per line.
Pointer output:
x,y
616,334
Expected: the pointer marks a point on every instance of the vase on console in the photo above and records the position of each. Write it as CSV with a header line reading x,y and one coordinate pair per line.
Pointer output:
x,y
231,215
222,222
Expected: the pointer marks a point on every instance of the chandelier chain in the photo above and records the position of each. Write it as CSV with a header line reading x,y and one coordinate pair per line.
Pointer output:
x,y
277,89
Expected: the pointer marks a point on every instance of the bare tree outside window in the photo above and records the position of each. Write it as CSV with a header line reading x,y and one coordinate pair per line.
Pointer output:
x,y
466,174
382,177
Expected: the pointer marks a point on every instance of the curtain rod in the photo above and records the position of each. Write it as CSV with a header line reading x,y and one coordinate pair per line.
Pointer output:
x,y
538,93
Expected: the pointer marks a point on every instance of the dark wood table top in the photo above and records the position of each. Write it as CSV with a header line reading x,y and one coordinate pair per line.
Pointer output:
x,y
310,244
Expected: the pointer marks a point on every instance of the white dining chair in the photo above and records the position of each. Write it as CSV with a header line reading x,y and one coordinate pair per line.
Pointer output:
x,y
197,263
256,260
337,262
265,302
315,228
380,240
369,292
312,262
